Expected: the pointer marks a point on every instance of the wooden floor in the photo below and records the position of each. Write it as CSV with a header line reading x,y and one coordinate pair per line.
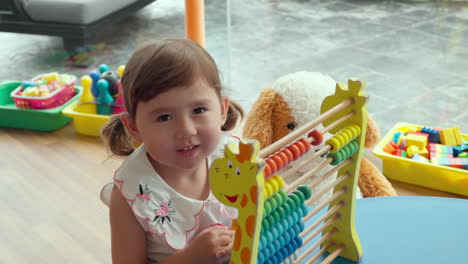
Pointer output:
x,y
49,197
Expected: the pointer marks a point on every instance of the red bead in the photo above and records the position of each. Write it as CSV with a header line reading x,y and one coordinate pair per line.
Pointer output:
x,y
288,154
278,161
267,171
317,135
273,166
306,144
301,146
283,157
295,150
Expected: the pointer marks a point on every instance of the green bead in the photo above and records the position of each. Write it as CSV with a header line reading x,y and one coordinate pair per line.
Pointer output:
x,y
299,195
281,212
306,191
345,151
265,225
278,199
276,216
296,201
267,208
284,196
271,220
273,203
286,208
291,204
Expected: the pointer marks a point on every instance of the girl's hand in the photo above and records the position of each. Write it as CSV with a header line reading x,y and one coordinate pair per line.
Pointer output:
x,y
211,245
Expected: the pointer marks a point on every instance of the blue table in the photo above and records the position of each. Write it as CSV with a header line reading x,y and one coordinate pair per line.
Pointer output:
x,y
411,229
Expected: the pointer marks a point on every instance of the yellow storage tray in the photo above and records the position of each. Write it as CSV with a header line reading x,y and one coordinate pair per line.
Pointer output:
x,y
85,121
429,175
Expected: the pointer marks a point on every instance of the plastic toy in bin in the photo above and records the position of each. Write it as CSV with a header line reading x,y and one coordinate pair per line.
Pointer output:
x,y
439,163
102,92
45,91
439,146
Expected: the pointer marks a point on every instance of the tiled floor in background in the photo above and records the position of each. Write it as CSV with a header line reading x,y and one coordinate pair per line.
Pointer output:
x,y
412,54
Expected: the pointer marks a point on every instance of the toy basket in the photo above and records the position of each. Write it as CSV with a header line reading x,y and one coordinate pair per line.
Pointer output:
x,y
54,99
429,175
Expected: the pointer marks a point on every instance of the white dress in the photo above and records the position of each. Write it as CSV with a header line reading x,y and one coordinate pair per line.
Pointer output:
x,y
169,219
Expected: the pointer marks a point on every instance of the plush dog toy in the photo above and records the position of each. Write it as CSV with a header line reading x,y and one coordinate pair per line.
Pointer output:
x,y
294,100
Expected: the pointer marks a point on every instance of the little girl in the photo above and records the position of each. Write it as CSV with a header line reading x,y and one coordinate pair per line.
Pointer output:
x,y
160,203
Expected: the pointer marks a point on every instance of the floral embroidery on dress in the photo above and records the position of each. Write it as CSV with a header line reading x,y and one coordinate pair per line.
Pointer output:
x,y
164,212
144,193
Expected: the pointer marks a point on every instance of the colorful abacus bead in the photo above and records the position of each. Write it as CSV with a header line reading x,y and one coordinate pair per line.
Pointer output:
x,y
344,153
317,137
343,137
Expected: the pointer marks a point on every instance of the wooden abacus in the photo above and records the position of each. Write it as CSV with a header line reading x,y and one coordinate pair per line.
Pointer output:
x,y
270,226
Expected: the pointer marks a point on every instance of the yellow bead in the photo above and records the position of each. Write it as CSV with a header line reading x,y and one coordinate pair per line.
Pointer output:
x,y
334,143
279,180
268,190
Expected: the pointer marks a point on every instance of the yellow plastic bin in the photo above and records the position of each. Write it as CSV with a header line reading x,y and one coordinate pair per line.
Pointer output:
x,y
429,175
84,119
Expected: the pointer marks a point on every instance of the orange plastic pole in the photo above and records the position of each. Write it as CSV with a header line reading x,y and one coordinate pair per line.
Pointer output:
x,y
195,20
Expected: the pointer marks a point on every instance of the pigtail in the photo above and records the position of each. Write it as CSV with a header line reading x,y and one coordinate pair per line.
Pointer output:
x,y
116,138
235,113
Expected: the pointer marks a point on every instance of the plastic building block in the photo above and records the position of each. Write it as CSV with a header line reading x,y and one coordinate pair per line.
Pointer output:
x,y
434,135
451,136
420,158
432,147
412,150
419,140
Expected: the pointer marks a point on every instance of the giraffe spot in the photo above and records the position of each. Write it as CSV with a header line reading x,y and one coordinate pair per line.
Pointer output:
x,y
238,236
250,225
231,262
244,200
245,256
253,194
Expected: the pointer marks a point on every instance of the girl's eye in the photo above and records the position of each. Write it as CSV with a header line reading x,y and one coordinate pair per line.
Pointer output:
x,y
164,118
237,171
229,164
199,110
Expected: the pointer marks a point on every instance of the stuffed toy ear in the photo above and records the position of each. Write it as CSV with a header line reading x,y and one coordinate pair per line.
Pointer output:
x,y
373,133
258,124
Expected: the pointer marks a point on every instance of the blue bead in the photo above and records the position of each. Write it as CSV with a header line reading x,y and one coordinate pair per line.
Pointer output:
x,y
298,241
287,237
305,210
290,221
290,248
284,254
267,252
260,257
261,243
269,237
281,241
274,259
274,233
276,245
281,226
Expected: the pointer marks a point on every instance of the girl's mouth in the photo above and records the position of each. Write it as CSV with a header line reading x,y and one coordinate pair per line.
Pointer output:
x,y
188,151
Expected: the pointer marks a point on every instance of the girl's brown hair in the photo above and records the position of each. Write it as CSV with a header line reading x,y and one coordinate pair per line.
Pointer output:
x,y
155,68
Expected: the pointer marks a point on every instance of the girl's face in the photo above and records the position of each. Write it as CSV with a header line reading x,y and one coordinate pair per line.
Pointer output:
x,y
180,127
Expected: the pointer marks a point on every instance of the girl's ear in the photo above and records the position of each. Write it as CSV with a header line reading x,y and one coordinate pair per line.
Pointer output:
x,y
130,125
224,109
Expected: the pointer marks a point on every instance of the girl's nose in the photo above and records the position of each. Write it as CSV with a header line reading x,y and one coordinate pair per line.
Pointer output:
x,y
186,128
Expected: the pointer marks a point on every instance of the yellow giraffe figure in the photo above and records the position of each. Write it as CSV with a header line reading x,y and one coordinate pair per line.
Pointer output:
x,y
237,181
